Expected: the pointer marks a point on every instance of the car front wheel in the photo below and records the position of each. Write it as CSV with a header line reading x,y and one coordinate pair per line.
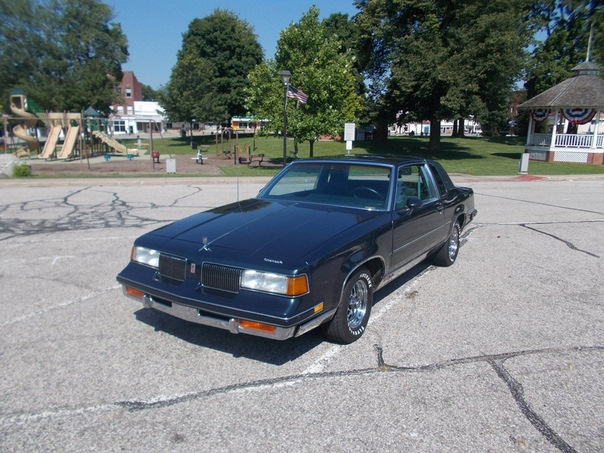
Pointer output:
x,y
352,315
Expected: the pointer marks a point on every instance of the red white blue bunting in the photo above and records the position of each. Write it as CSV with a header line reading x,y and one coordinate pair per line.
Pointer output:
x,y
579,116
539,115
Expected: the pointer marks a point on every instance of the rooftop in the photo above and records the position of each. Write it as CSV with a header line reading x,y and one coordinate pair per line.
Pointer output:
x,y
585,89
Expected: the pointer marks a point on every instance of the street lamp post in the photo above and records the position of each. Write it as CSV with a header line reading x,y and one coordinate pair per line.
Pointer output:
x,y
285,76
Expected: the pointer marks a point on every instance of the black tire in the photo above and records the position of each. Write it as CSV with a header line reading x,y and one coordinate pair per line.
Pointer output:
x,y
447,253
352,315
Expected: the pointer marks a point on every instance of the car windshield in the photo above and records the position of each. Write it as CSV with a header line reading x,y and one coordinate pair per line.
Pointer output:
x,y
340,184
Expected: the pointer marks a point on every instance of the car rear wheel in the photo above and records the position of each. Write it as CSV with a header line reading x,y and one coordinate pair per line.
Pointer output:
x,y
352,315
447,254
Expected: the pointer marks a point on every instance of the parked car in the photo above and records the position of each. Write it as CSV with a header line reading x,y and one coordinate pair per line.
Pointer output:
x,y
309,250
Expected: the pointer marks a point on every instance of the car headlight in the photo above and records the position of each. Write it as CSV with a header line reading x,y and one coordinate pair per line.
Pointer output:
x,y
274,283
143,255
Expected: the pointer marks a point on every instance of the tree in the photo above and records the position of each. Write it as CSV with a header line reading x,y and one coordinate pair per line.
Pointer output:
x,y
346,31
149,94
567,25
321,69
64,54
211,70
437,59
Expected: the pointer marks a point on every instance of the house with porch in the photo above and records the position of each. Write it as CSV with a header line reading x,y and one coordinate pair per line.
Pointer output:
x,y
566,122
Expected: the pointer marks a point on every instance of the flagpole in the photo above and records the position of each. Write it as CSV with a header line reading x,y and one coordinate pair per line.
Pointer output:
x,y
285,76
285,126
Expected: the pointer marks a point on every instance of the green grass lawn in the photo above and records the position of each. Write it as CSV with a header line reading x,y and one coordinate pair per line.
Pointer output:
x,y
472,156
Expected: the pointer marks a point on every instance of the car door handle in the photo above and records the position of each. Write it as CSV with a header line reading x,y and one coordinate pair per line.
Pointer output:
x,y
440,207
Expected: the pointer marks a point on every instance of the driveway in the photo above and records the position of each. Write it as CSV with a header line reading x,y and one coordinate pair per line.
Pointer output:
x,y
502,352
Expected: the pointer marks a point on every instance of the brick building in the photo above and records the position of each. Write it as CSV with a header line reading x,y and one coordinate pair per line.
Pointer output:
x,y
133,115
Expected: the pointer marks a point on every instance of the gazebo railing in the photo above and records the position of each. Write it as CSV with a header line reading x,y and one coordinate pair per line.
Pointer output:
x,y
540,140
573,141
577,141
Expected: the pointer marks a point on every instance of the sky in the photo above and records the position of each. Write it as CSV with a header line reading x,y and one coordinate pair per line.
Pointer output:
x,y
154,28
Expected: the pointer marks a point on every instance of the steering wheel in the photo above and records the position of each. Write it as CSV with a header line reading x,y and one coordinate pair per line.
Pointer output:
x,y
359,191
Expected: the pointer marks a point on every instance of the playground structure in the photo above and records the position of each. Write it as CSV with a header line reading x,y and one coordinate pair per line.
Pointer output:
x,y
18,105
55,123
224,137
111,142
92,139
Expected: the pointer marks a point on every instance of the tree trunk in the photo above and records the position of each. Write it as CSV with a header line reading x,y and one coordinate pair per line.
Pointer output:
x,y
434,145
454,134
381,132
460,130
312,145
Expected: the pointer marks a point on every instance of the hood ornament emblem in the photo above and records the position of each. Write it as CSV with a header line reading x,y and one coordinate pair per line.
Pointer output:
x,y
204,242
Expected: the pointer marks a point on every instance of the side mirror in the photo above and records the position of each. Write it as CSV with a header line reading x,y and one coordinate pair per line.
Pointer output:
x,y
414,203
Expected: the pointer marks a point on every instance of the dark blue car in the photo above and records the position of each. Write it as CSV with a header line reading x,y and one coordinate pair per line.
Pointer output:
x,y
308,251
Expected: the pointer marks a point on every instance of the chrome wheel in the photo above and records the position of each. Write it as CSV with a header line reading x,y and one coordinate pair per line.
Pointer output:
x,y
354,309
447,253
357,304
453,244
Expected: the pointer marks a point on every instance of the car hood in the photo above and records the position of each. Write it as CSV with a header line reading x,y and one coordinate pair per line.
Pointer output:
x,y
271,230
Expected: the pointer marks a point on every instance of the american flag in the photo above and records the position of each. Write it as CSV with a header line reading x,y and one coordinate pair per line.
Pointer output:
x,y
299,95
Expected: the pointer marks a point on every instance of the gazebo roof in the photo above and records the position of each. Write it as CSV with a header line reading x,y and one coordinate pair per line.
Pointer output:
x,y
585,89
91,112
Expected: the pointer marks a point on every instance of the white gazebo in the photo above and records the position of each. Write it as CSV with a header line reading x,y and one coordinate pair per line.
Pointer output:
x,y
571,115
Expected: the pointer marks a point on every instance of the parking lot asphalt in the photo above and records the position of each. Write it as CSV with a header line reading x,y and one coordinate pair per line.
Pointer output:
x,y
503,351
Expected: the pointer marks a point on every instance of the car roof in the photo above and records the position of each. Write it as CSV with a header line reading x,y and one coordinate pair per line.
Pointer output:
x,y
364,159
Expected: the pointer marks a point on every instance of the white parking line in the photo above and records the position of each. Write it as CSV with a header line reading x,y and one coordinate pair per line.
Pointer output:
x,y
54,307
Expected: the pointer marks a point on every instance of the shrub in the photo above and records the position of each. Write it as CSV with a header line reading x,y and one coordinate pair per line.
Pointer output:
x,y
21,170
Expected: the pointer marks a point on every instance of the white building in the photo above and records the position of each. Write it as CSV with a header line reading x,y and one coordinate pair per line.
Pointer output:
x,y
138,118
471,127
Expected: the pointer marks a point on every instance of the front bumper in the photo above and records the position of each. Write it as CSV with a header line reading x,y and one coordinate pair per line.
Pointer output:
x,y
233,325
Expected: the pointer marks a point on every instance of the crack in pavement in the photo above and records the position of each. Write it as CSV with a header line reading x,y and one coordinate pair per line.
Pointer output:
x,y
568,243
494,360
537,421
516,390
528,227
115,213
539,203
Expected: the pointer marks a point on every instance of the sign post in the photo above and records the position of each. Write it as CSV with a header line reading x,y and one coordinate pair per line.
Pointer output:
x,y
349,136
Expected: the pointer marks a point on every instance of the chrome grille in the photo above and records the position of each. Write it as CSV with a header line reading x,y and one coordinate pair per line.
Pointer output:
x,y
224,278
172,267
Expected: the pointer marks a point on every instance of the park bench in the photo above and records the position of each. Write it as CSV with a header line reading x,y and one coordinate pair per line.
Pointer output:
x,y
248,159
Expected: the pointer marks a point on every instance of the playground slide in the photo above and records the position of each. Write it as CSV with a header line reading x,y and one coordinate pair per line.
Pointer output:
x,y
69,143
29,120
111,142
51,142
32,142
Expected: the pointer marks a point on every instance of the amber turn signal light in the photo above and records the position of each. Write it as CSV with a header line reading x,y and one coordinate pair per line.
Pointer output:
x,y
253,325
296,286
134,292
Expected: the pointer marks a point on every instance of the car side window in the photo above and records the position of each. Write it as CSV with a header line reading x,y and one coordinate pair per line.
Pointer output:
x,y
412,182
439,181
